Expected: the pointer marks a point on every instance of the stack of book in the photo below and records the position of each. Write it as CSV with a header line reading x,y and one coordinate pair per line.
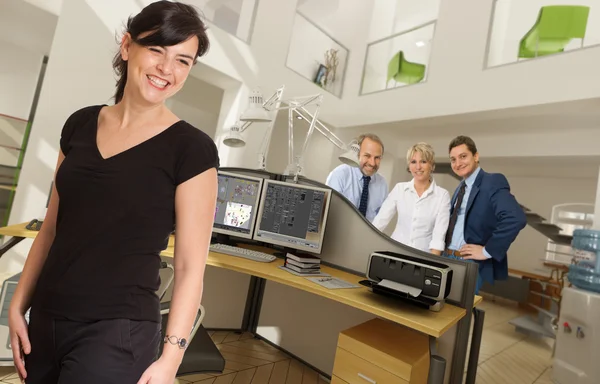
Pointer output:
x,y
305,264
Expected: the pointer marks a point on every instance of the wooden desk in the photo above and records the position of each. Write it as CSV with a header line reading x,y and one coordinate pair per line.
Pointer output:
x,y
431,323
434,324
18,230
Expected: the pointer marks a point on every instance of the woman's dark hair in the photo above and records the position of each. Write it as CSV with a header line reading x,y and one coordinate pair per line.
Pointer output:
x,y
171,23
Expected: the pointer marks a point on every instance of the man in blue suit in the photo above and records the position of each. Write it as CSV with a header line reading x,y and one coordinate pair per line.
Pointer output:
x,y
485,218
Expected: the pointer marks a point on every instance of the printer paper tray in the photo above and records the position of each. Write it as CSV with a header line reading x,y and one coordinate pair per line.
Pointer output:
x,y
424,302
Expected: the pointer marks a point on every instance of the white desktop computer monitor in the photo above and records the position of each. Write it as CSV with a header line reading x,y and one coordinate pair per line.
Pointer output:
x,y
238,199
293,215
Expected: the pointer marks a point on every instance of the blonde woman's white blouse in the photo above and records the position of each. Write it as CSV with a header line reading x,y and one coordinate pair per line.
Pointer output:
x,y
422,221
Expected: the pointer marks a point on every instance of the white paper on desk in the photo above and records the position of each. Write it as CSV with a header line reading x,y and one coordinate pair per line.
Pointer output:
x,y
332,282
301,274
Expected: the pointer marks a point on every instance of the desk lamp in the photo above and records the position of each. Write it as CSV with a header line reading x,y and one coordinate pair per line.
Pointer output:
x,y
258,111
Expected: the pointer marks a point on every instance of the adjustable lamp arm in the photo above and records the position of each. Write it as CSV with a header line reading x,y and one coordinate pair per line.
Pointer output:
x,y
322,129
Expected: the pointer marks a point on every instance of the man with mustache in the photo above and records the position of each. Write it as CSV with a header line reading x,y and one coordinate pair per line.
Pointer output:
x,y
485,217
362,186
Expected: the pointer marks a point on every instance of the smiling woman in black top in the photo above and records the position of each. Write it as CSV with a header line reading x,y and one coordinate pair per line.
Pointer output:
x,y
126,175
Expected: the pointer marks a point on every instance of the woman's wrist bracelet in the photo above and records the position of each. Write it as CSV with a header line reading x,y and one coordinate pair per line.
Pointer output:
x,y
180,342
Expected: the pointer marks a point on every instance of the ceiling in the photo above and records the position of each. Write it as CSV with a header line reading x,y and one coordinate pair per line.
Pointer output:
x,y
564,167
51,6
553,117
27,26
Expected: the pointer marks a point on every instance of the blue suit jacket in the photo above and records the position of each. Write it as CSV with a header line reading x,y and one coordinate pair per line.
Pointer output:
x,y
493,218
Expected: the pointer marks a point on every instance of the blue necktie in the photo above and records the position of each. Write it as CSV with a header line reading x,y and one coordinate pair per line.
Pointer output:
x,y
364,197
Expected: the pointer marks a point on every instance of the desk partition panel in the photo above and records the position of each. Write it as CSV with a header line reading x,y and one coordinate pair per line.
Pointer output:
x,y
350,239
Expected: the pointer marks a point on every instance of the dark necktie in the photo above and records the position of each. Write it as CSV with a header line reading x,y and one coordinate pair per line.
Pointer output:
x,y
364,197
459,199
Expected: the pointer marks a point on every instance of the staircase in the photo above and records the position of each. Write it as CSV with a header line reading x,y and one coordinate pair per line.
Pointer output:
x,y
535,221
7,180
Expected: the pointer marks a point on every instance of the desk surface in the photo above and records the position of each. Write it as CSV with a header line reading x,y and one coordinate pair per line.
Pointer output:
x,y
431,323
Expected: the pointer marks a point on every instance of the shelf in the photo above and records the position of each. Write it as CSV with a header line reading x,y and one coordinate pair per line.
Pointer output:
x,y
307,55
544,296
543,311
575,222
399,60
526,324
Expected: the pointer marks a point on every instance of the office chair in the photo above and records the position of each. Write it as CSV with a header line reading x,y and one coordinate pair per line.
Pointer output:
x,y
201,356
554,28
404,71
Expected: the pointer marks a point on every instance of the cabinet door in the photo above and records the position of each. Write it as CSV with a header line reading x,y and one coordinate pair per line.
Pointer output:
x,y
356,370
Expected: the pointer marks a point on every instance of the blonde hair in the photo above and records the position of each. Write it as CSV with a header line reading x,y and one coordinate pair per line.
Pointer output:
x,y
424,149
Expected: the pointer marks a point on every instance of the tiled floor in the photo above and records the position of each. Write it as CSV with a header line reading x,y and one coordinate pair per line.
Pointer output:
x,y
506,357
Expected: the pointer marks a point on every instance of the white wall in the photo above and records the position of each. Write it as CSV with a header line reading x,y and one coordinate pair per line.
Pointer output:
x,y
19,72
514,18
203,120
596,223
233,16
27,26
51,6
72,81
307,51
452,66
393,16
198,103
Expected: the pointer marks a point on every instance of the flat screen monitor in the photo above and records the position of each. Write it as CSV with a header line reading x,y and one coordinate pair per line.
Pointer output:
x,y
293,215
237,204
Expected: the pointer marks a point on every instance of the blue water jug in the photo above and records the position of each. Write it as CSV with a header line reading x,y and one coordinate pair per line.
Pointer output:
x,y
584,273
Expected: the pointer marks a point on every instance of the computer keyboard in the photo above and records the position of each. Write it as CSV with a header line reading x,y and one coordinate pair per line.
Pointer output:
x,y
242,252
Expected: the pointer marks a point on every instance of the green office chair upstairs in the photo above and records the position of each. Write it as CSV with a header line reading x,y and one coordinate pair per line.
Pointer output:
x,y
556,25
404,71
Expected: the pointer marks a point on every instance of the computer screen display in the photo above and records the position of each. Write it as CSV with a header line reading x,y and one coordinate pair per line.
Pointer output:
x,y
293,215
237,204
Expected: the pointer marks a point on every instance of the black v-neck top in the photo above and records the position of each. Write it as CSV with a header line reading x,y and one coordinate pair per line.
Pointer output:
x,y
114,218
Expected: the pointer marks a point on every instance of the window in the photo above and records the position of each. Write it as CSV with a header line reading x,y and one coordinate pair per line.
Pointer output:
x,y
401,36
526,30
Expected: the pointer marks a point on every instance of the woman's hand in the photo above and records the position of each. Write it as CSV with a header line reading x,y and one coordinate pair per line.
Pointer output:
x,y
162,371
19,341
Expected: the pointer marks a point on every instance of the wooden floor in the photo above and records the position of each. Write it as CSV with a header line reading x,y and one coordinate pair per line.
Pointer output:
x,y
506,357
247,361
253,361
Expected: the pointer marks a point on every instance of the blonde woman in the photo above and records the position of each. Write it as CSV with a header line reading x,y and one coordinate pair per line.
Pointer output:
x,y
423,207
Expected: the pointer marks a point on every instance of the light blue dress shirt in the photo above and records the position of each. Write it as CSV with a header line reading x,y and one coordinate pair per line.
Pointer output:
x,y
348,181
458,236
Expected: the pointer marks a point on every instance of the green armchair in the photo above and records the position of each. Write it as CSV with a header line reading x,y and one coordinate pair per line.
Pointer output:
x,y
556,25
404,71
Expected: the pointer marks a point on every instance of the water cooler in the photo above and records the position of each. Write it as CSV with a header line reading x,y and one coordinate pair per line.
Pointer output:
x,y
577,352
